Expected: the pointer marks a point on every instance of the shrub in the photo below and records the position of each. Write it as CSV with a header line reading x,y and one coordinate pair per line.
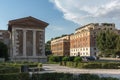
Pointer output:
x,y
14,76
71,58
39,65
70,64
88,77
93,65
52,58
58,58
108,78
15,67
67,76
9,70
55,58
77,59
51,76
65,58
111,65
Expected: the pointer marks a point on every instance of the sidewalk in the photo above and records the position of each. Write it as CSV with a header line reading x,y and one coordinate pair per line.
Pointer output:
x,y
110,59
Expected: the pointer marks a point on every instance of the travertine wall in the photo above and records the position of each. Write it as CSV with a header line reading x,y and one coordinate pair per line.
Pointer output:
x,y
27,39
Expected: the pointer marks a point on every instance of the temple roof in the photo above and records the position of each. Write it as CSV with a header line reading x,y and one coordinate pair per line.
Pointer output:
x,y
26,21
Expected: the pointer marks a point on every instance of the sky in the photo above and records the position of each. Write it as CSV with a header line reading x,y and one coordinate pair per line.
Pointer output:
x,y
63,16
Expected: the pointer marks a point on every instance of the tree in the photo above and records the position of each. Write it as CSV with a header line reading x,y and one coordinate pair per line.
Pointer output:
x,y
3,51
65,58
118,46
107,42
77,59
48,48
118,43
64,35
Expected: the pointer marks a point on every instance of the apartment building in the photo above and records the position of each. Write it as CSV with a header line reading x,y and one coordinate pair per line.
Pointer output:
x,y
5,37
61,46
82,42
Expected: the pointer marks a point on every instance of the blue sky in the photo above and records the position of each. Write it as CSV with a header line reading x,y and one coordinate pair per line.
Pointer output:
x,y
63,16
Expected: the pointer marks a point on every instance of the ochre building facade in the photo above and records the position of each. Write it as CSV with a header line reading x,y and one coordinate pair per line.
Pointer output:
x,y
83,40
61,46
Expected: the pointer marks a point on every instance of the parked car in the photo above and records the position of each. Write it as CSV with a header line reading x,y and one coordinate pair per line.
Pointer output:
x,y
89,58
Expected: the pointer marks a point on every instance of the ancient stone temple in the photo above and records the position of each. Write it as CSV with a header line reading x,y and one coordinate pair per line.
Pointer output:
x,y
27,38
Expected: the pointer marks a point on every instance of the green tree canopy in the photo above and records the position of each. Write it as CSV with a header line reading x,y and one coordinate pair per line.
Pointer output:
x,y
108,42
3,51
48,48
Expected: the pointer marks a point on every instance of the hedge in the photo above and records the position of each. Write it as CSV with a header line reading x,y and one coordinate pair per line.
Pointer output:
x,y
19,64
63,58
77,59
15,76
92,65
9,70
51,76
15,67
67,76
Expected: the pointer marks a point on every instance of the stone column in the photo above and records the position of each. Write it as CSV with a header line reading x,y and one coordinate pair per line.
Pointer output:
x,y
34,43
24,43
43,38
13,43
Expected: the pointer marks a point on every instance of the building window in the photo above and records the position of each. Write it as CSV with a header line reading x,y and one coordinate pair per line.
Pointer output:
x,y
86,48
95,53
80,53
94,48
83,49
74,53
83,53
104,28
86,53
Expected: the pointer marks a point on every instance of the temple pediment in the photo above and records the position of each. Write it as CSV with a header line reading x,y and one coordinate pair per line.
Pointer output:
x,y
27,21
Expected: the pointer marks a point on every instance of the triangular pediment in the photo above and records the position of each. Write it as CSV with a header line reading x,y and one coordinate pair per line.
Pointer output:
x,y
28,21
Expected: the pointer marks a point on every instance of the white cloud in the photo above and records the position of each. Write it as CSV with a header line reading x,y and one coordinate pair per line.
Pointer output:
x,y
86,11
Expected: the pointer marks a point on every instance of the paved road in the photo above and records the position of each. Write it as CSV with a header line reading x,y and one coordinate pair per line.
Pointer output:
x,y
49,68
57,68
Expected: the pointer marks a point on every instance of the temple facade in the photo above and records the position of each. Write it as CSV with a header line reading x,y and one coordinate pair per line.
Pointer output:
x,y
27,39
